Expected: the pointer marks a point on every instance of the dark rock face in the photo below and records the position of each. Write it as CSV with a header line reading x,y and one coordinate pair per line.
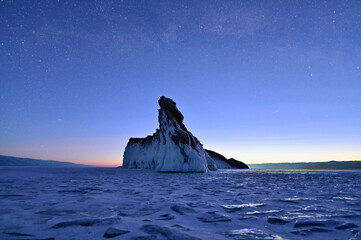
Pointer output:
x,y
172,148
231,162
167,104
238,164
169,110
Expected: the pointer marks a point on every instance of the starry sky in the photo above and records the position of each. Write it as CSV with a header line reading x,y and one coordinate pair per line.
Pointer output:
x,y
260,81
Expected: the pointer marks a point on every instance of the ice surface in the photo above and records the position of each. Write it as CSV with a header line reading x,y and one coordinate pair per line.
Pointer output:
x,y
91,203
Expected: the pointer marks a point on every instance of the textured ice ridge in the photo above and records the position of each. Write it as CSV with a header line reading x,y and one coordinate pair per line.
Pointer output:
x,y
172,148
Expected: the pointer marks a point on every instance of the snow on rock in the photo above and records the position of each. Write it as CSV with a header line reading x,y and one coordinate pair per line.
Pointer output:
x,y
172,148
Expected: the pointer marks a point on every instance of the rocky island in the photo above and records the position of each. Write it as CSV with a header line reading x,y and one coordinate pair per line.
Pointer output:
x,y
172,148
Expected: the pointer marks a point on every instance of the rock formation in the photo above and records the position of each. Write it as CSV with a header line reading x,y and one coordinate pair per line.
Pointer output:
x,y
224,163
172,148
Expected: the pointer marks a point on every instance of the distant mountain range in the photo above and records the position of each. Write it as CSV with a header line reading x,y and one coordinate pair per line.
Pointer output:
x,y
16,161
309,165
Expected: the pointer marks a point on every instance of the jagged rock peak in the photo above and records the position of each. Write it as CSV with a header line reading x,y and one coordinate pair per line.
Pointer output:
x,y
169,105
169,108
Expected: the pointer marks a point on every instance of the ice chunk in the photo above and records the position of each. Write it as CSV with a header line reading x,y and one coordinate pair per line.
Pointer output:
x,y
252,233
213,217
167,233
85,222
114,232
182,210
275,220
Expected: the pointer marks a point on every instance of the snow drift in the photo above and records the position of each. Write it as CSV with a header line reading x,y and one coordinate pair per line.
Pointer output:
x,y
172,148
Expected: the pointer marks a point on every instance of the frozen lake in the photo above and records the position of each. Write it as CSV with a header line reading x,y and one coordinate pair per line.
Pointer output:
x,y
88,203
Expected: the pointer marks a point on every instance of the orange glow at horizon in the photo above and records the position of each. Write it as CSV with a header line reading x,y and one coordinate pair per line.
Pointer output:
x,y
109,152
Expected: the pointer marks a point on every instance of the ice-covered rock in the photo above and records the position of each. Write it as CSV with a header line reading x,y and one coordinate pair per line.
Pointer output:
x,y
172,148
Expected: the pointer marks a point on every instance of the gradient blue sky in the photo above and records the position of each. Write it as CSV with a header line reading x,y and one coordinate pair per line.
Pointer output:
x,y
260,81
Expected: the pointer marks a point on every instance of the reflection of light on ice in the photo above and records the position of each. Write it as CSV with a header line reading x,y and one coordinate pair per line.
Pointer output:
x,y
251,233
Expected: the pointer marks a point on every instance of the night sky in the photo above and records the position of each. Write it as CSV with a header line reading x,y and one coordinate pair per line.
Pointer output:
x,y
260,81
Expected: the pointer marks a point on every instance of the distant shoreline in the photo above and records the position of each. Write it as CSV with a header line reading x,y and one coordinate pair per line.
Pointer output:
x,y
330,165
9,161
